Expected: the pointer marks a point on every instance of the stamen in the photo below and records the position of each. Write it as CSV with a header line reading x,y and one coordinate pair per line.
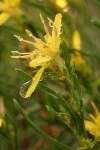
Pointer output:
x,y
17,54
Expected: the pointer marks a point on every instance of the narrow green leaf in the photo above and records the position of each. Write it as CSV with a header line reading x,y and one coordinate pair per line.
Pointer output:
x,y
66,54
39,131
23,74
67,106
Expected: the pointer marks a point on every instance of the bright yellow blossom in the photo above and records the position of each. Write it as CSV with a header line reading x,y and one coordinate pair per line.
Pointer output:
x,y
94,127
9,8
45,54
76,58
61,3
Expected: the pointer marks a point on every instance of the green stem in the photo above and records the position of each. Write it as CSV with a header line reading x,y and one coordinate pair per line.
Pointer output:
x,y
38,130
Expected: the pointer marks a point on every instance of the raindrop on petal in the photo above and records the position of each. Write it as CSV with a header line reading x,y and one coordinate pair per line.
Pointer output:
x,y
24,88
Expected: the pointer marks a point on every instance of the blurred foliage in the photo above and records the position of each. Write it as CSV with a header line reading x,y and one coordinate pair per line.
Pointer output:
x,y
53,117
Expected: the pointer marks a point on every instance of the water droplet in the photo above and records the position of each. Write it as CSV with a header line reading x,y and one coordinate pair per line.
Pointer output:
x,y
24,88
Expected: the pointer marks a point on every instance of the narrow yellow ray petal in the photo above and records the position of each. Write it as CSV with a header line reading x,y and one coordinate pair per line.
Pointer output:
x,y
26,41
47,37
39,44
29,33
45,27
57,26
90,126
95,108
92,117
4,17
40,61
35,81
56,33
97,121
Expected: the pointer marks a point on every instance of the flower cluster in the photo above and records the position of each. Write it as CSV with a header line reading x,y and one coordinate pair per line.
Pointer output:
x,y
45,53
9,8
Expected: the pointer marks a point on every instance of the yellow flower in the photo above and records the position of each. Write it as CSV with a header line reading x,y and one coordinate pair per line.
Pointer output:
x,y
9,8
2,111
76,58
76,40
60,3
1,122
46,53
94,127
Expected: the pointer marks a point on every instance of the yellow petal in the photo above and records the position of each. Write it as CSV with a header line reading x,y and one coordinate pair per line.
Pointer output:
x,y
40,61
41,46
91,127
92,117
95,108
35,81
4,17
57,26
56,31
97,121
38,44
45,27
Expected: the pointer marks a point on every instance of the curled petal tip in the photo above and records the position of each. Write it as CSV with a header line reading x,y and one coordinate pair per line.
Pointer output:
x,y
29,33
19,38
